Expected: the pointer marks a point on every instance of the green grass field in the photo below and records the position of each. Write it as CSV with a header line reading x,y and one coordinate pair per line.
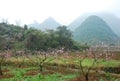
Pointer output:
x,y
24,74
59,69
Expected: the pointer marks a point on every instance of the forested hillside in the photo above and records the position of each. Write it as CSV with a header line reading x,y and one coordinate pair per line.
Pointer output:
x,y
16,37
111,19
49,23
11,36
94,30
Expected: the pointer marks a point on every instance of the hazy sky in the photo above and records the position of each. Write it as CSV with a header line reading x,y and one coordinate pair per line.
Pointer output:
x,y
63,11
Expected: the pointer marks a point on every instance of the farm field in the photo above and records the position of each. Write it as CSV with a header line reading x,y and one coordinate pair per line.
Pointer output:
x,y
59,40
63,67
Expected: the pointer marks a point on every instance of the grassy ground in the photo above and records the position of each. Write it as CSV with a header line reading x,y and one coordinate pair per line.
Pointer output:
x,y
60,69
32,74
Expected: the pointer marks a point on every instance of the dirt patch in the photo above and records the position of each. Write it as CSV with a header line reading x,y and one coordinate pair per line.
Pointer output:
x,y
23,67
33,72
6,76
81,78
115,70
62,70
59,76
5,70
46,72
30,72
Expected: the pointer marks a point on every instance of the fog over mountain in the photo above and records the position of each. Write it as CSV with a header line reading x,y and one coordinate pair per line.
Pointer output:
x,y
112,20
94,30
48,23
34,24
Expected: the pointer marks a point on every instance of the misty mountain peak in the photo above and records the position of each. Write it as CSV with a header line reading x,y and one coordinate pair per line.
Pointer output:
x,y
95,20
50,20
94,29
112,20
49,23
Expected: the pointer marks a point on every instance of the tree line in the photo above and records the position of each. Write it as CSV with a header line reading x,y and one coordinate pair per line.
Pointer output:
x,y
17,37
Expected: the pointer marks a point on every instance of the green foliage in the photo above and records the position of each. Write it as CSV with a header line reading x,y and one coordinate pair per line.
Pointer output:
x,y
94,30
38,40
39,77
56,76
64,37
9,35
16,37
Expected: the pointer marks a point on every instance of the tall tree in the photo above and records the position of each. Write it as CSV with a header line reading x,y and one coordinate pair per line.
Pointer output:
x,y
64,37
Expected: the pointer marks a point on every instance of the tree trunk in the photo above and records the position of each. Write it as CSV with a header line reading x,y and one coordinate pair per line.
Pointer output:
x,y
86,78
41,68
1,73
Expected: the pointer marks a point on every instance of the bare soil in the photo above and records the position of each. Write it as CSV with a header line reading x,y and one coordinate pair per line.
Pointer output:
x,y
6,76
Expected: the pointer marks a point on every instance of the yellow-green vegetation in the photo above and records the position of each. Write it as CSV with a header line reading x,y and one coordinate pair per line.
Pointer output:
x,y
59,69
26,74
64,61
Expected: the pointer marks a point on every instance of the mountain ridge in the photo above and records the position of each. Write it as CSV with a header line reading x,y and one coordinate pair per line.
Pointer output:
x,y
48,23
94,29
109,18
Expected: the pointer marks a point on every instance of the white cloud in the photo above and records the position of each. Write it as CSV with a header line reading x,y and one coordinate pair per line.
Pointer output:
x,y
63,11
